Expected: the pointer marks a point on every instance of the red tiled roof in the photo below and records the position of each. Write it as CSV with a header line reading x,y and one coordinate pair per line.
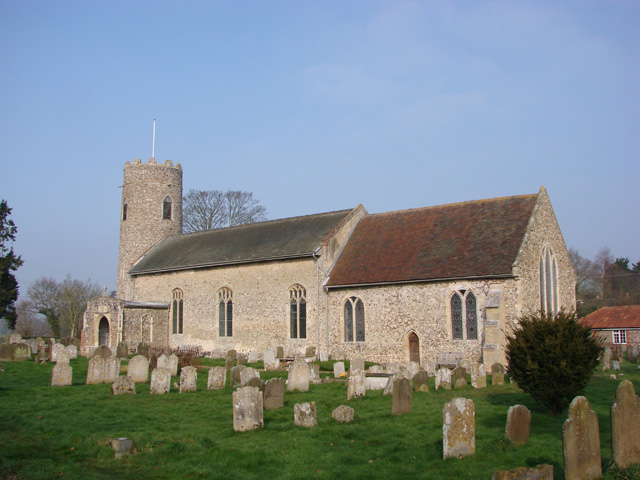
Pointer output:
x,y
613,317
461,240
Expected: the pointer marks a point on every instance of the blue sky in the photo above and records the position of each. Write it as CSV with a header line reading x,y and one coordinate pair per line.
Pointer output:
x,y
316,106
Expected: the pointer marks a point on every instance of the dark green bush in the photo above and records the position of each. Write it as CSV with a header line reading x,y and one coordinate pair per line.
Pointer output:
x,y
552,358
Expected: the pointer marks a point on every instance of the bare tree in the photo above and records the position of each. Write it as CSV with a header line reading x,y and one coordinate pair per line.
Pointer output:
x,y
43,298
588,274
210,209
29,322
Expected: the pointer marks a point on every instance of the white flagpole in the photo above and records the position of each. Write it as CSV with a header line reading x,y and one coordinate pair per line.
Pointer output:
x,y
153,146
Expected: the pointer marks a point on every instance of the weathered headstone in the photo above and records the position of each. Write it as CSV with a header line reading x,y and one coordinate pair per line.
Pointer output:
x,y
421,381
43,355
605,358
413,368
443,378
518,424
122,446
279,352
338,370
122,351
123,385
478,376
15,338
459,428
61,375
173,364
241,359
72,351
188,379
228,363
497,374
142,349
298,378
55,349
402,396
21,352
217,378
95,370
539,472
110,369
103,351
234,376
310,352
615,364
314,372
356,384
459,377
305,415
632,353
356,364
581,442
231,354
343,414
254,382
274,394
271,362
63,356
160,381
253,357
6,352
248,373
138,369
625,426
247,409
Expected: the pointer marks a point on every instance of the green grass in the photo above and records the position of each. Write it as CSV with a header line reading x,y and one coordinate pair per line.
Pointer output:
x,y
64,432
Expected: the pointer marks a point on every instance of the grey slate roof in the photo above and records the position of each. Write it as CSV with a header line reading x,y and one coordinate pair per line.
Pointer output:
x,y
273,240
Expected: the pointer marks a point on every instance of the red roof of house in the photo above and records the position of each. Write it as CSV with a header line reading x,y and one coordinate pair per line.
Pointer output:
x,y
613,318
460,240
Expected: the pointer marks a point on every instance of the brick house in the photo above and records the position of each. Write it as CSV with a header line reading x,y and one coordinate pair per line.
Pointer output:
x,y
616,326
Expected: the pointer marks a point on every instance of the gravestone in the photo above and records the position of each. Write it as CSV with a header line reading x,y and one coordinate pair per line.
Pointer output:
x,y
274,393
343,414
338,370
72,351
103,351
392,368
122,351
63,357
298,377
376,369
497,374
173,364
539,472
21,352
310,352
234,376
55,349
217,378
142,349
241,359
305,414
138,369
15,338
356,384
625,426
356,364
388,389
6,352
459,377
459,428
188,379
61,375
279,352
518,424
615,365
123,386
95,370
605,357
402,396
413,368
478,376
248,373
160,381
122,446
43,355
314,372
632,353
271,362
421,381
254,382
443,378
253,357
247,409
231,354
581,442
110,369
228,363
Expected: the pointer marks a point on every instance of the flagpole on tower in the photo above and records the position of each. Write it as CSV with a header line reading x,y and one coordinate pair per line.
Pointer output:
x,y
153,145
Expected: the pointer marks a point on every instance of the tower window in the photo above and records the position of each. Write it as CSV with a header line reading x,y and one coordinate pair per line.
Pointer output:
x,y
124,211
166,208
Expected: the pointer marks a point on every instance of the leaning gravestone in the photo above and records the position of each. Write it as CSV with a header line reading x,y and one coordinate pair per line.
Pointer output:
x,y
298,378
402,396
459,377
95,370
160,381
123,386
305,414
61,375
217,378
356,364
188,379
21,352
138,369
478,376
247,409
443,378
343,414
274,394
497,374
110,369
122,350
271,362
55,349
356,384
421,381
518,424
605,356
338,369
234,376
72,351
43,355
581,442
625,426
459,428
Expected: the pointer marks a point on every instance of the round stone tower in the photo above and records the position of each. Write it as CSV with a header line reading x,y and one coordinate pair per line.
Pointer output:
x,y
151,210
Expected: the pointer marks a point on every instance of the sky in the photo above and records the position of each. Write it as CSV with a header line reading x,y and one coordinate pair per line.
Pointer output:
x,y
314,107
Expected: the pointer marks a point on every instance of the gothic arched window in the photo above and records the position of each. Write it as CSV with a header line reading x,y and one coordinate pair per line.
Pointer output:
x,y
354,320
464,315
177,310
548,282
225,312
166,208
298,312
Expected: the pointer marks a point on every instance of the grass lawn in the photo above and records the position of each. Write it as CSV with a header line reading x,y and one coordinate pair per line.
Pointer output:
x,y
64,432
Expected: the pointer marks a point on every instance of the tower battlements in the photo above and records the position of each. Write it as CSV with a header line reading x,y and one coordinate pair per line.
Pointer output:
x,y
152,162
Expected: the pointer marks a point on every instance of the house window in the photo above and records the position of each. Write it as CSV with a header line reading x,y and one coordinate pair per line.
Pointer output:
x,y
177,310
124,211
166,208
464,315
548,282
620,336
298,311
225,312
354,320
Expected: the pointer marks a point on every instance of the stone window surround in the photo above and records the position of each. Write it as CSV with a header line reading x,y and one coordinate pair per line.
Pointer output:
x,y
463,295
177,311
619,337
544,276
298,296
225,300
167,212
353,300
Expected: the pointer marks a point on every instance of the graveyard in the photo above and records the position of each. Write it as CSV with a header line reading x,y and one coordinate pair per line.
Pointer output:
x,y
67,431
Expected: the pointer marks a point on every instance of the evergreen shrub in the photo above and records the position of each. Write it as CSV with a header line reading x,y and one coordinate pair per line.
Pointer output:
x,y
552,357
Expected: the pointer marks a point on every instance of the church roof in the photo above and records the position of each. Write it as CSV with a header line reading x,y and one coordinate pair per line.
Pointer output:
x,y
459,240
613,318
286,238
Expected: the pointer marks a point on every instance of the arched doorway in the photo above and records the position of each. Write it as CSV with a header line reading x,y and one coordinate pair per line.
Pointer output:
x,y
103,332
414,348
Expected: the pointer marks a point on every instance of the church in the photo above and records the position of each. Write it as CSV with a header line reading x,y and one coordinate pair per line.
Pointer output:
x,y
435,284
